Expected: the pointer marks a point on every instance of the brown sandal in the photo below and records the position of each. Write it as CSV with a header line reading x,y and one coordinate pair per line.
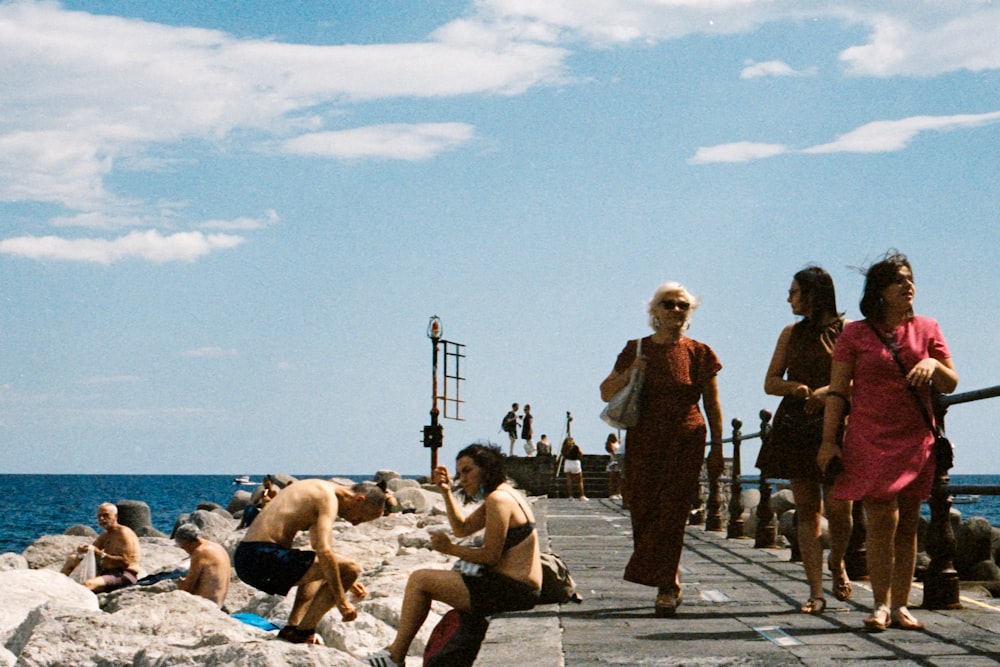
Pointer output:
x,y
814,606
880,619
841,584
904,620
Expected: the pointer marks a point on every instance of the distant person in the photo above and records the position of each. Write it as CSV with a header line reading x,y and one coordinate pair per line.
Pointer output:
x,y
210,570
117,552
266,560
509,426
888,449
526,431
614,467
665,451
799,372
259,500
509,571
572,457
544,446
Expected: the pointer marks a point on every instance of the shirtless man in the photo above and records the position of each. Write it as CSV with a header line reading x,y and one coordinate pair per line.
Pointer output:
x,y
117,552
209,572
266,560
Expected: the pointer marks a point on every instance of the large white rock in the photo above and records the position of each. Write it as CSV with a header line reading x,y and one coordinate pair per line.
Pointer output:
x,y
22,591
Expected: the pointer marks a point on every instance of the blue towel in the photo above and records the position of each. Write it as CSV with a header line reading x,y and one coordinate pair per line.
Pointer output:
x,y
255,620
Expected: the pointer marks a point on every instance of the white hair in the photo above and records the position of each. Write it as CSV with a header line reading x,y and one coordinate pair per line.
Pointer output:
x,y
672,287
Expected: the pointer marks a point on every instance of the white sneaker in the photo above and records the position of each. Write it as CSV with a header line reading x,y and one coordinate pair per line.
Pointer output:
x,y
381,659
585,499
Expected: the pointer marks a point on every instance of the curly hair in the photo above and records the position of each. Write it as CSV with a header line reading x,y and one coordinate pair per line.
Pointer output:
x,y
489,459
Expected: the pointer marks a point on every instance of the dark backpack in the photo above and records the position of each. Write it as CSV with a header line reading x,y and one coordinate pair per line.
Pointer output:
x,y
557,584
509,423
455,640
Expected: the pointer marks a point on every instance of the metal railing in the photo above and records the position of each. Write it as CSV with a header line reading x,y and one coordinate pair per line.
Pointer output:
x,y
941,584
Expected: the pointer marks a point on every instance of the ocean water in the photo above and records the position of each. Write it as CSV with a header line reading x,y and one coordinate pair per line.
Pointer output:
x,y
35,505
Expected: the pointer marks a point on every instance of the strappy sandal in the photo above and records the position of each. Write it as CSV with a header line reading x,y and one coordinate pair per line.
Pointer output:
x,y
382,659
814,606
904,620
841,584
880,619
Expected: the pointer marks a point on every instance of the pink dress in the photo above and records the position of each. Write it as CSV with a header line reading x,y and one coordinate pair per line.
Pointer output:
x,y
887,447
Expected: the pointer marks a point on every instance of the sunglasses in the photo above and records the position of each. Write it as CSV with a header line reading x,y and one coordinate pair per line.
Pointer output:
x,y
670,304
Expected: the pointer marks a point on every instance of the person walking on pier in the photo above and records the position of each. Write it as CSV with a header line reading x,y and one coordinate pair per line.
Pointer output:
x,y
665,451
614,467
509,426
527,432
883,370
799,372
572,457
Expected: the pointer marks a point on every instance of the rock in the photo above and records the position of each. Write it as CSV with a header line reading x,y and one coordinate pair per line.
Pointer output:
x,y
22,591
215,526
782,501
80,530
417,499
385,476
134,514
238,502
13,561
400,483
169,629
50,551
213,507
281,479
787,527
985,570
973,544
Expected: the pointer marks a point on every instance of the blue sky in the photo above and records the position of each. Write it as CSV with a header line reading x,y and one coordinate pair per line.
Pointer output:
x,y
224,226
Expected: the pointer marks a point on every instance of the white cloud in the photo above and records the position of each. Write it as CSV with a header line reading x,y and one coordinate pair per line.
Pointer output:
x,y
394,141
242,224
148,245
770,68
882,136
210,352
886,136
740,151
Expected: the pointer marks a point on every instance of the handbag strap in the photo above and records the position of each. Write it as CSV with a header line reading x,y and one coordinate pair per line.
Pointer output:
x,y
902,369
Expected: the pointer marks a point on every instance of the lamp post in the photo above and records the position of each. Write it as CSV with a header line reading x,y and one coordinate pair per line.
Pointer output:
x,y
433,433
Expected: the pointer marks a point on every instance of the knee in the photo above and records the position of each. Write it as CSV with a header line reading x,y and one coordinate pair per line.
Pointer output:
x,y
349,572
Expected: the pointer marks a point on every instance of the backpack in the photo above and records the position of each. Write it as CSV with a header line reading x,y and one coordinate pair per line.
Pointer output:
x,y
509,423
557,583
455,640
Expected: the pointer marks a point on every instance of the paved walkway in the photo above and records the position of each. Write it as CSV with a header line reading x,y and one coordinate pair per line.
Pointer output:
x,y
740,608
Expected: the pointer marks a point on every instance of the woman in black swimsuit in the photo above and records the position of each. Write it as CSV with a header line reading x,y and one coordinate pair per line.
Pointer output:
x,y
505,574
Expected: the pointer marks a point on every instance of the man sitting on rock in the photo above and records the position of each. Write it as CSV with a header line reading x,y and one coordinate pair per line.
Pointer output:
x,y
210,570
116,550
266,560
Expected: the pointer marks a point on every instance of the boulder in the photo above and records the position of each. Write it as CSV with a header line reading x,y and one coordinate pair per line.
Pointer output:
x,y
782,501
238,502
80,530
415,498
135,514
985,570
385,476
973,544
400,483
215,526
23,591
13,561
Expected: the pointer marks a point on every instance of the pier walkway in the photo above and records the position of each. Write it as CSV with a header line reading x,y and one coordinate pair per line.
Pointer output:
x,y
740,608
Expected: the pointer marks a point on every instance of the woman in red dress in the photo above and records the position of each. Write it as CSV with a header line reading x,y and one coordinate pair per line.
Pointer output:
x,y
665,451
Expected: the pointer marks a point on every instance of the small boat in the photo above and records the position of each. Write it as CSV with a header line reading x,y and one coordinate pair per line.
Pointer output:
x,y
964,500
243,479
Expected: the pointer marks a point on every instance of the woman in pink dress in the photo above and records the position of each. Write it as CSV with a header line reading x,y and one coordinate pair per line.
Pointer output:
x,y
887,451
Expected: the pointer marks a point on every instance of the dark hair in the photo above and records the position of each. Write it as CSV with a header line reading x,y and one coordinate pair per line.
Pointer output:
x,y
373,493
489,459
880,275
817,291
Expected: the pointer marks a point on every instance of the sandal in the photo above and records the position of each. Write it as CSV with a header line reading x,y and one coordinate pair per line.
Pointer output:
x,y
814,606
880,619
667,603
904,620
382,659
294,635
841,584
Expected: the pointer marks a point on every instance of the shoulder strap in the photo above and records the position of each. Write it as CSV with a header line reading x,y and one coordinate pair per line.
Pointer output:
x,y
902,369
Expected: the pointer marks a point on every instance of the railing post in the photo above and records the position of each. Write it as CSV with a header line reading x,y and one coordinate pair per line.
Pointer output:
x,y
941,580
766,536
713,512
735,529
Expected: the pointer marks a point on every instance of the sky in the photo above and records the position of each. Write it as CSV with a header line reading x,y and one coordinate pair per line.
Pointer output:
x,y
224,226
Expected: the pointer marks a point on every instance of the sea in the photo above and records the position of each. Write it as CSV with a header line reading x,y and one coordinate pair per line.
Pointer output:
x,y
36,505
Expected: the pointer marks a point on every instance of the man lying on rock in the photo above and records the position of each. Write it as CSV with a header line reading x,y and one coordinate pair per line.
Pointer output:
x,y
117,552
266,560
